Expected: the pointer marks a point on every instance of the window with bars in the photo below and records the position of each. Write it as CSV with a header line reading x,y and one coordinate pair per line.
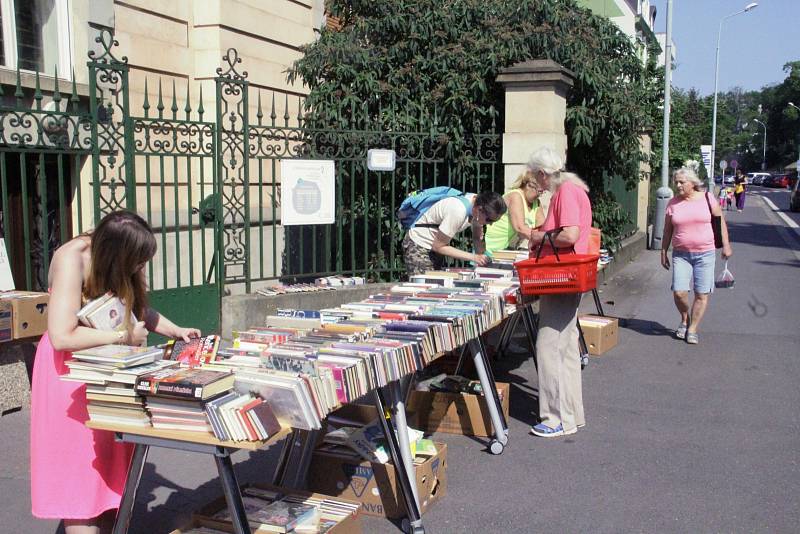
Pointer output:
x,y
34,35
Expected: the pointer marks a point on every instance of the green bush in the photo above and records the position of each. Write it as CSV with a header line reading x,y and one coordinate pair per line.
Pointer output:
x,y
417,56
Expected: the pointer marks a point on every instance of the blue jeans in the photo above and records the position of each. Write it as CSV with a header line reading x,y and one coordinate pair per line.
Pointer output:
x,y
693,270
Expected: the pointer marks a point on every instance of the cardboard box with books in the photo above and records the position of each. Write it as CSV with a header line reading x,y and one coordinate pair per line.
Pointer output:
x,y
272,509
346,474
28,313
601,333
462,410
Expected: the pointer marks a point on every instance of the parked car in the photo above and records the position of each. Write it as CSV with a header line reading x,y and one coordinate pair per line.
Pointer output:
x,y
794,200
729,180
757,178
780,180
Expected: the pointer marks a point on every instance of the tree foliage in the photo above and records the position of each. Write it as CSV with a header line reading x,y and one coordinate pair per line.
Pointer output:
x,y
437,62
739,137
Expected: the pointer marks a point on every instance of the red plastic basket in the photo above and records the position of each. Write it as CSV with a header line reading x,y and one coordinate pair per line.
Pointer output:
x,y
569,273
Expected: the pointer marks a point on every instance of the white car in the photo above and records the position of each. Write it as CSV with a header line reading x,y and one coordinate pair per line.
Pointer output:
x,y
756,178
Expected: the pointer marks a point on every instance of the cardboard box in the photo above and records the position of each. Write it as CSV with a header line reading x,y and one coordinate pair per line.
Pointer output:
x,y
373,484
28,313
454,413
348,525
601,333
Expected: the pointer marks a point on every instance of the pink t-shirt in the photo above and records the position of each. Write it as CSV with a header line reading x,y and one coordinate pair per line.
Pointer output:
x,y
570,206
691,223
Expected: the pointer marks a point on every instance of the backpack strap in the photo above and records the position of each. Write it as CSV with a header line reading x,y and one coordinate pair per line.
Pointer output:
x,y
464,200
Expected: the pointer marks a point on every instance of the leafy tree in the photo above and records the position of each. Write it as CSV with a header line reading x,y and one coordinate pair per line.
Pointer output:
x,y
438,60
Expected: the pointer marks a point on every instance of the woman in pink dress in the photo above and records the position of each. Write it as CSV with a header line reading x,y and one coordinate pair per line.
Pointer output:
x,y
77,474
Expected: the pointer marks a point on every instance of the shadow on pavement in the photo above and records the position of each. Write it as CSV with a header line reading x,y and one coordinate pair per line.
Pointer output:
x,y
645,327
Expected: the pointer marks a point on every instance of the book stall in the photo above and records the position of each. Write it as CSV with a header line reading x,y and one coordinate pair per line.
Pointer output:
x,y
281,381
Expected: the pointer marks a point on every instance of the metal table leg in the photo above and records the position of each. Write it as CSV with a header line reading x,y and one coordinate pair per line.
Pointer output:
x,y
124,513
490,374
233,497
531,327
461,359
279,478
597,303
406,490
507,333
501,438
401,425
304,463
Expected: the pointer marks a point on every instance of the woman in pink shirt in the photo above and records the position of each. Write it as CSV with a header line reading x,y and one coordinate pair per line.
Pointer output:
x,y
559,366
687,225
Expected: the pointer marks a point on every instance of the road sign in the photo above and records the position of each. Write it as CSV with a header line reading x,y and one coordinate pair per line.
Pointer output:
x,y
734,164
723,164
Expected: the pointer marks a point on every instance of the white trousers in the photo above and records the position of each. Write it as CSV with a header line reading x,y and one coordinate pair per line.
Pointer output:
x,y
559,365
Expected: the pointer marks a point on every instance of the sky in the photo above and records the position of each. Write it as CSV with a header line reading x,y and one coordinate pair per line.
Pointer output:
x,y
753,49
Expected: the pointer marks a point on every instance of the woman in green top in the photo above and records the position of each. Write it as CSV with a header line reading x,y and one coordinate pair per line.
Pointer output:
x,y
523,215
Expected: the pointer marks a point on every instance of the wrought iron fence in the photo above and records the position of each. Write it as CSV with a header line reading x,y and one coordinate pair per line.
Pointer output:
x,y
209,188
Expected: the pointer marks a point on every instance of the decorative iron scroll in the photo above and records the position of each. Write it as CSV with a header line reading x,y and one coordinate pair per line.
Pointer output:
x,y
233,169
112,162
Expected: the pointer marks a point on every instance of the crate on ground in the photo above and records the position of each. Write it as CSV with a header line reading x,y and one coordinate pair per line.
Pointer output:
x,y
374,484
601,333
454,413
209,515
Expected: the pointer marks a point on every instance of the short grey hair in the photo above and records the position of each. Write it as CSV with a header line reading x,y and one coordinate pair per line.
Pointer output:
x,y
545,159
690,176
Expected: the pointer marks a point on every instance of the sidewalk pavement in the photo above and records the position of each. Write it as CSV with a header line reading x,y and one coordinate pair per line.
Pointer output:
x,y
679,438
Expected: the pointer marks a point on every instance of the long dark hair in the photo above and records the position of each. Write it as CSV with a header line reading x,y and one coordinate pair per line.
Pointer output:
x,y
121,244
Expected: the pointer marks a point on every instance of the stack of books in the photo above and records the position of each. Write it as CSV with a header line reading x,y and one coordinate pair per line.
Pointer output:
x,y
276,510
175,396
110,372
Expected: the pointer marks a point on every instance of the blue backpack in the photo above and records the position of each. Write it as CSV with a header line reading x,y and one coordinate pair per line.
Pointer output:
x,y
418,202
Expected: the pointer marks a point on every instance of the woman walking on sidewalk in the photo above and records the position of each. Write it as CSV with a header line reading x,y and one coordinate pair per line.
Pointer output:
x,y
687,226
569,217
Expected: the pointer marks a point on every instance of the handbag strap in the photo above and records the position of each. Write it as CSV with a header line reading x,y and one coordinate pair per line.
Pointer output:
x,y
708,203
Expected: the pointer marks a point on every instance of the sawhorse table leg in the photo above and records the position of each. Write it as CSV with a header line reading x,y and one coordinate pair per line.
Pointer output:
x,y
489,388
400,457
230,485
125,511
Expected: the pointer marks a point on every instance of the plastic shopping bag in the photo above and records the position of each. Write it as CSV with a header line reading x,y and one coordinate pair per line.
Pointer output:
x,y
725,279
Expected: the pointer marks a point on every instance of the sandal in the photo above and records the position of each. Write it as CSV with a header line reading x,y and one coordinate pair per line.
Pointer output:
x,y
691,338
680,333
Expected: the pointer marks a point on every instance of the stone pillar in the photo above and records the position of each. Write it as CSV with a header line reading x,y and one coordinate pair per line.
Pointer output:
x,y
536,107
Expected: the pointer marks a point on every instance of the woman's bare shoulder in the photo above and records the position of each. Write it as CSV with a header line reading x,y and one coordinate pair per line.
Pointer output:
x,y
71,254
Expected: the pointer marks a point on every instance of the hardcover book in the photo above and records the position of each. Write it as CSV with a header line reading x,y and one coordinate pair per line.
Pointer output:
x,y
104,313
184,382
196,351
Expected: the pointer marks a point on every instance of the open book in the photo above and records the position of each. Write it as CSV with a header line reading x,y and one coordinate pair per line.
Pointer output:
x,y
105,313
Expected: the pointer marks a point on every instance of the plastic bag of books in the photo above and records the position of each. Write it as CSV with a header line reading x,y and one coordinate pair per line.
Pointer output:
x,y
725,279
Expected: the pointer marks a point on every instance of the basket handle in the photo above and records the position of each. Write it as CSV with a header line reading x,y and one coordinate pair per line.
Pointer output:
x,y
549,236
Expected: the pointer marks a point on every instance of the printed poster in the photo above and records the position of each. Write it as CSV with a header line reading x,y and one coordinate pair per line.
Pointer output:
x,y
6,280
308,191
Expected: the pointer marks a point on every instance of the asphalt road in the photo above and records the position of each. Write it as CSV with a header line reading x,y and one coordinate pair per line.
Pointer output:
x,y
679,438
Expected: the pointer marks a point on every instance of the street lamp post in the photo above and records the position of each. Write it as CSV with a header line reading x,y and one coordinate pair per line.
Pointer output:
x,y
747,8
764,157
